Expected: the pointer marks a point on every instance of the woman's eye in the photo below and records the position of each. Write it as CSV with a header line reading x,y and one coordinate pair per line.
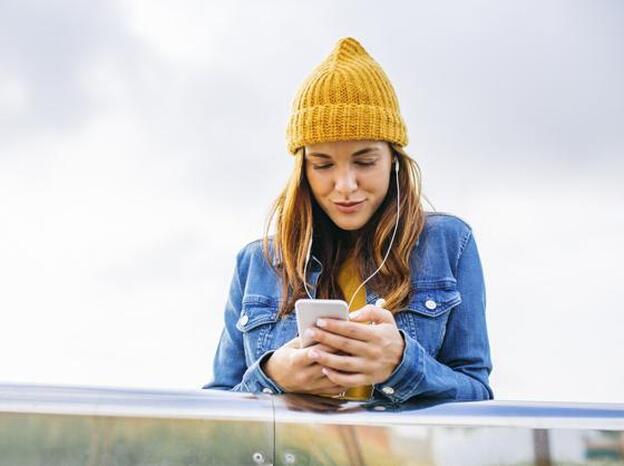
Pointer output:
x,y
360,163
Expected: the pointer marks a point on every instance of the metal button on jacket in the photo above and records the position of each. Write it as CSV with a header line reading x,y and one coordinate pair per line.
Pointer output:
x,y
243,320
267,390
431,304
388,390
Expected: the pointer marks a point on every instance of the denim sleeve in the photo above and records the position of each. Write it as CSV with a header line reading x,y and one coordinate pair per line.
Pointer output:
x,y
462,367
230,371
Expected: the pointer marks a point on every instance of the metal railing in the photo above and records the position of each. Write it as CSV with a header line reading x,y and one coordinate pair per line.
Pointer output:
x,y
56,425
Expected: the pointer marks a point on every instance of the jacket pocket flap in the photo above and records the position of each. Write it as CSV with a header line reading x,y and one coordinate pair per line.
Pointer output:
x,y
257,310
433,303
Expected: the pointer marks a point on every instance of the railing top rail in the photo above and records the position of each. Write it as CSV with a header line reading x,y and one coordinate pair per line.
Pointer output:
x,y
217,404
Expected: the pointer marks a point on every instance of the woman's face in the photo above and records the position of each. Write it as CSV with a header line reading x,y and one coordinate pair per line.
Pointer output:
x,y
349,179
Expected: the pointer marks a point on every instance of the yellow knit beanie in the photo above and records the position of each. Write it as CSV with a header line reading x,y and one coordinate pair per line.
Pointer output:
x,y
348,96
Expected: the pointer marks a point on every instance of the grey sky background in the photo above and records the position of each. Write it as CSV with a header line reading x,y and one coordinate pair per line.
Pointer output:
x,y
142,143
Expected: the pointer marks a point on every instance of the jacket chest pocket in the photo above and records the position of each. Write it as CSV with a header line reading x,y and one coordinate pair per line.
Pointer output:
x,y
262,329
426,316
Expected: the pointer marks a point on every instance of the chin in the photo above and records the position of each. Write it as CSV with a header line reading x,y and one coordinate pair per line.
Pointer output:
x,y
349,224
349,227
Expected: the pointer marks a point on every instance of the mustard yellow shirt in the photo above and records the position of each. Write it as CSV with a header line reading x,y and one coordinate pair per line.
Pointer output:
x,y
349,280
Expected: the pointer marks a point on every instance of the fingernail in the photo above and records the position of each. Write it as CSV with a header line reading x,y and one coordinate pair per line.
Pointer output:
x,y
324,371
314,354
310,333
320,322
354,315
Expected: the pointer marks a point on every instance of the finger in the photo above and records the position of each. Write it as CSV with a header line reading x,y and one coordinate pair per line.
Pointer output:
x,y
322,347
370,313
320,382
318,379
316,375
323,382
294,343
342,363
348,345
344,379
302,356
354,330
309,377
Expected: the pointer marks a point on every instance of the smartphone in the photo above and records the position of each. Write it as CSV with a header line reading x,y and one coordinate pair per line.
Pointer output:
x,y
308,310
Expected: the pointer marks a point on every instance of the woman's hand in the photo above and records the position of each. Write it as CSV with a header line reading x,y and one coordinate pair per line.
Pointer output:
x,y
291,367
373,351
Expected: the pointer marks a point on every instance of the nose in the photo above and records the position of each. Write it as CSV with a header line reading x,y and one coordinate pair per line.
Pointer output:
x,y
345,182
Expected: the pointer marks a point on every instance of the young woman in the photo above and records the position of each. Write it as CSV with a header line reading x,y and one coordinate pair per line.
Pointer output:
x,y
350,225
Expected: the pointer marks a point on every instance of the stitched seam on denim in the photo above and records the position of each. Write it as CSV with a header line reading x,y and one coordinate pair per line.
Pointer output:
x,y
380,385
267,382
244,386
254,377
412,384
461,249
248,349
424,284
442,335
438,213
258,321
259,299
477,387
410,323
263,340
445,306
416,380
243,252
266,379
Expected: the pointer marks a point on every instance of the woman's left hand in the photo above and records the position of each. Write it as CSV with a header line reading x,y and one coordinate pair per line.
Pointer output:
x,y
372,351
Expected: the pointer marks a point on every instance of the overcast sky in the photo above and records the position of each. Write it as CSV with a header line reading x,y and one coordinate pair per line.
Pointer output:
x,y
142,143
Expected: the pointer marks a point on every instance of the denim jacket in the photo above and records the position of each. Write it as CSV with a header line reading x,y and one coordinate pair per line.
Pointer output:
x,y
446,353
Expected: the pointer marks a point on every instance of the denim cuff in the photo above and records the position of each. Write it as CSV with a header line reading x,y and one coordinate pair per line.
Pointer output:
x,y
405,378
255,380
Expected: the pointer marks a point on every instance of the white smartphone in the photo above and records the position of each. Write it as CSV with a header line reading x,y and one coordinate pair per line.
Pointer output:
x,y
308,310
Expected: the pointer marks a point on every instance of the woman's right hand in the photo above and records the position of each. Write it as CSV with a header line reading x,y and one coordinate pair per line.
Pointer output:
x,y
291,367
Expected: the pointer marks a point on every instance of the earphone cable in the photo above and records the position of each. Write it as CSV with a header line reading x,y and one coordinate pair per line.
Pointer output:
x,y
396,226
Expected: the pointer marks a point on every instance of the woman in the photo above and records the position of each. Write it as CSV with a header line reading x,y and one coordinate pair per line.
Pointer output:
x,y
349,225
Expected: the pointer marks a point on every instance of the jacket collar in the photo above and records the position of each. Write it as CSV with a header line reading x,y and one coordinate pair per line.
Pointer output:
x,y
314,264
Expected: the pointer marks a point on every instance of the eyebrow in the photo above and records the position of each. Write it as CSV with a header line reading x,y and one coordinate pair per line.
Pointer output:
x,y
355,154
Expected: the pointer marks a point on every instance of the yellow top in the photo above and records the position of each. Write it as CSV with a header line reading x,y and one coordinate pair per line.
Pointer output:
x,y
349,280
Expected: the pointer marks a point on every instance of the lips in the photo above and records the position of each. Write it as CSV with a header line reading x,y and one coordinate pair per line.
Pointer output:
x,y
348,204
348,207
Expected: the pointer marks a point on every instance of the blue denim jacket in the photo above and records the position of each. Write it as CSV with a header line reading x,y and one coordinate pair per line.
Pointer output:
x,y
446,355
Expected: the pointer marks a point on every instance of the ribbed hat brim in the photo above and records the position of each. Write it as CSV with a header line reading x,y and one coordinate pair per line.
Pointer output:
x,y
327,123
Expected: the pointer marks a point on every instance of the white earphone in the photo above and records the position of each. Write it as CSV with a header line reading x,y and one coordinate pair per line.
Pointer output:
x,y
396,226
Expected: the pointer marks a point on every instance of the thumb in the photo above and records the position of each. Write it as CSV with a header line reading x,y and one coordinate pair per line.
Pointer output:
x,y
294,343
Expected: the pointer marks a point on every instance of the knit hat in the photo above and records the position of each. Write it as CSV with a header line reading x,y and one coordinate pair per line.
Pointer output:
x,y
348,96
